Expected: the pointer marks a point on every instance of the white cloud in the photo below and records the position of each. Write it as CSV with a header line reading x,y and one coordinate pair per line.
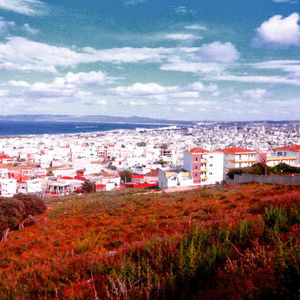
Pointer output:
x,y
133,2
18,83
289,66
4,25
255,94
195,27
181,36
101,102
29,29
19,53
183,10
211,58
26,7
154,91
257,79
279,31
91,78
219,52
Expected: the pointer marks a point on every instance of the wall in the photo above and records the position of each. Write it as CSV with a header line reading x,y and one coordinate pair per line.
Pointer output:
x,y
273,179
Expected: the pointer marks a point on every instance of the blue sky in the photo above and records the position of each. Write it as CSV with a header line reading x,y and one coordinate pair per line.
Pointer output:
x,y
188,59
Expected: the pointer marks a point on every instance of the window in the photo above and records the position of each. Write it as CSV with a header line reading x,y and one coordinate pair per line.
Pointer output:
x,y
211,156
196,158
196,167
210,173
196,175
211,165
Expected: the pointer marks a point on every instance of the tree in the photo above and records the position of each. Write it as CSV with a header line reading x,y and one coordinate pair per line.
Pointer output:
x,y
33,206
15,211
88,187
126,176
11,212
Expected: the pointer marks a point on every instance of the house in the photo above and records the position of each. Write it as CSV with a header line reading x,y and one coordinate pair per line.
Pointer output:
x,y
8,187
288,154
238,158
167,179
62,187
205,167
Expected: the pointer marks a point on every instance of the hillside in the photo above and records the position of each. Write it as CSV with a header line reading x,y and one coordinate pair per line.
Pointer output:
x,y
236,241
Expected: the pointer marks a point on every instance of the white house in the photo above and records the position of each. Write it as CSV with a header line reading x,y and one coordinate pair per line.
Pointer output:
x,y
173,178
288,154
238,158
8,187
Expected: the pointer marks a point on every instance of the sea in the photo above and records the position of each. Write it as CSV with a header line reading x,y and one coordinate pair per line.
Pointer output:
x,y
16,128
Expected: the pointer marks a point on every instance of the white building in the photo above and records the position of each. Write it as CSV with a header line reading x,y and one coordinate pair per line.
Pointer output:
x,y
289,155
173,178
238,158
8,187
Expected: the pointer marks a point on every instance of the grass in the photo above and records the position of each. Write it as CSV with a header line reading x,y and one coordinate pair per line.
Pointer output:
x,y
242,239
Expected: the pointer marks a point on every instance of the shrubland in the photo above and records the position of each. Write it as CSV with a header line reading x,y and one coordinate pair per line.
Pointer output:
x,y
234,242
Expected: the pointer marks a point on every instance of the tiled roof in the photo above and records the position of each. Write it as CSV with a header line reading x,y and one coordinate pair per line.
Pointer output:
x,y
198,150
295,148
237,150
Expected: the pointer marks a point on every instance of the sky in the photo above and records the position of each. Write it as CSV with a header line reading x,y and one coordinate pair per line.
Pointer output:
x,y
185,60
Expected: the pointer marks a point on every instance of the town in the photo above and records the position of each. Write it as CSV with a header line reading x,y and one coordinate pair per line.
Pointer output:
x,y
56,165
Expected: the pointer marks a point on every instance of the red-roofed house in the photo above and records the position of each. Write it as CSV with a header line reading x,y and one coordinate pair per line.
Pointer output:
x,y
239,158
288,154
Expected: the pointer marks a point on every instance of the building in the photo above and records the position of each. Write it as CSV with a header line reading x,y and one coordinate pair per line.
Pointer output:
x,y
8,187
238,158
205,167
288,154
167,179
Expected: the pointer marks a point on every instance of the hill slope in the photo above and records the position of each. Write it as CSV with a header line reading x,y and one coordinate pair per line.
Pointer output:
x,y
221,242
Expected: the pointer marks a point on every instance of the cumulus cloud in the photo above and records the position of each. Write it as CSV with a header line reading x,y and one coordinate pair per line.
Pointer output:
x,y
255,94
25,7
279,31
154,91
220,52
211,58
19,83
19,53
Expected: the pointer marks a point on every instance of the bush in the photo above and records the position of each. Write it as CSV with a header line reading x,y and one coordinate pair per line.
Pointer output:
x,y
126,176
14,211
88,187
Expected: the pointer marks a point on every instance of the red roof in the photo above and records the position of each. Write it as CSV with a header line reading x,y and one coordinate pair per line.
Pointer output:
x,y
295,148
237,150
198,150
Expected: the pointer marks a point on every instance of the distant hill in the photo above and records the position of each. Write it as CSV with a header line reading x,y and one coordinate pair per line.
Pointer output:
x,y
92,118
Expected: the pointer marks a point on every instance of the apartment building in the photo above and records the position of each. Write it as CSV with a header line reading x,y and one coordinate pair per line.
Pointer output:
x,y
205,167
238,158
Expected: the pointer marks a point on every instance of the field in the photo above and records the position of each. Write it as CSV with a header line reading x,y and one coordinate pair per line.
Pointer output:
x,y
222,242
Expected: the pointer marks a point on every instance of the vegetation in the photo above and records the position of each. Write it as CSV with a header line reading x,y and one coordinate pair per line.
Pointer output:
x,y
259,169
234,242
15,211
126,176
88,187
